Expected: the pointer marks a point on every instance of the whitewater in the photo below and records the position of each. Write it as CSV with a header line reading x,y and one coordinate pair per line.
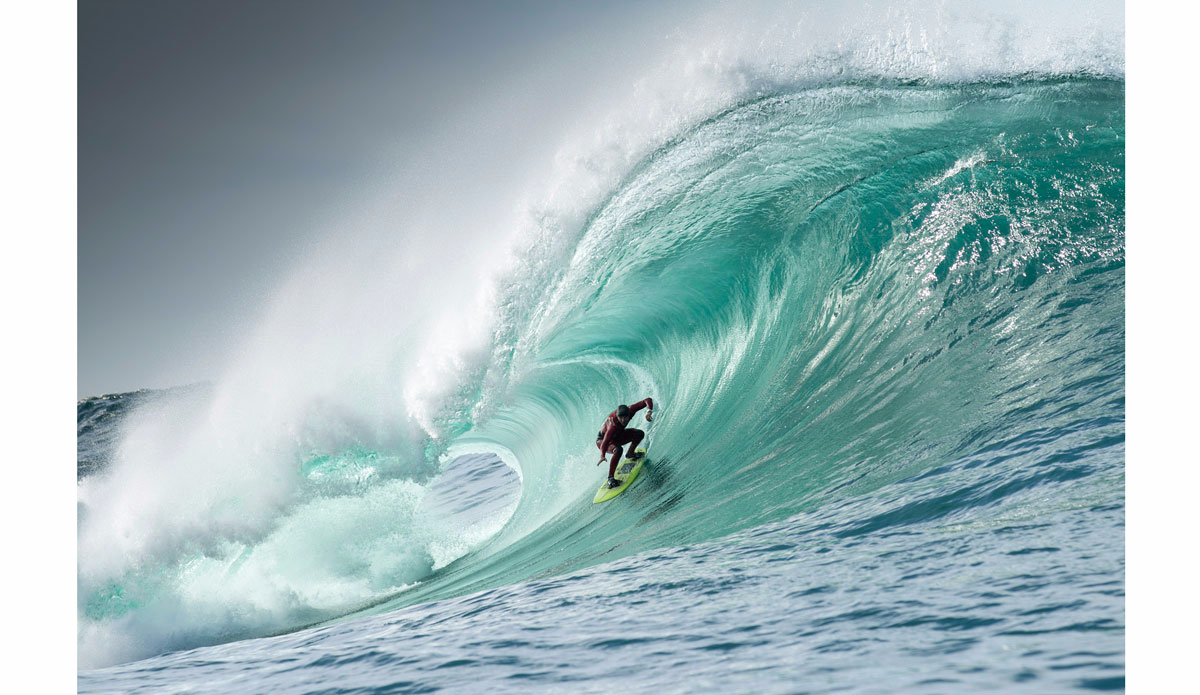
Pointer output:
x,y
869,264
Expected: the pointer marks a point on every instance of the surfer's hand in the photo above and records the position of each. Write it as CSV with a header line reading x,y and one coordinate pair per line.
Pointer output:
x,y
649,414
601,461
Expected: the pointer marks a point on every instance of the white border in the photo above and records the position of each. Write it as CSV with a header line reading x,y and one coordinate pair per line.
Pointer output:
x,y
38,286
1161,461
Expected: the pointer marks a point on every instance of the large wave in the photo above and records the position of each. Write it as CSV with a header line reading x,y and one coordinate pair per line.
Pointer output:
x,y
836,261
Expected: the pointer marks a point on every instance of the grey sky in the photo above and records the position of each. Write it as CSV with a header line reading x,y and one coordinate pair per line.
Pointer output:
x,y
216,137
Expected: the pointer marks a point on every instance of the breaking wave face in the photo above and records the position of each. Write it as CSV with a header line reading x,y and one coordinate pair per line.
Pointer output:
x,y
835,260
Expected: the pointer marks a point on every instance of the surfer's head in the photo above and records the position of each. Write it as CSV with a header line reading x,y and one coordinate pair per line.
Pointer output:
x,y
623,413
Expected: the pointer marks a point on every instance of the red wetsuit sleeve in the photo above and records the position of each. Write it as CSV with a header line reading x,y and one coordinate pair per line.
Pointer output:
x,y
644,403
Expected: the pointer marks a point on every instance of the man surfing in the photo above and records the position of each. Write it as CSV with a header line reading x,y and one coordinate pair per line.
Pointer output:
x,y
613,435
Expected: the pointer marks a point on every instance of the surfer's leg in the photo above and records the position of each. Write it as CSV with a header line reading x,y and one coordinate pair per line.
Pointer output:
x,y
634,438
612,465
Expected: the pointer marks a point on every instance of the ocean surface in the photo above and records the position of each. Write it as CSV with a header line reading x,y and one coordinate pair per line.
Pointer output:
x,y
882,321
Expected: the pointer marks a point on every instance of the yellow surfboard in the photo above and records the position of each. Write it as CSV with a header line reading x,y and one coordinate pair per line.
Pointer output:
x,y
627,472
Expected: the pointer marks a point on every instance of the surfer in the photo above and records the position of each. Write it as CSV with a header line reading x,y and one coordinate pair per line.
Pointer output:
x,y
613,435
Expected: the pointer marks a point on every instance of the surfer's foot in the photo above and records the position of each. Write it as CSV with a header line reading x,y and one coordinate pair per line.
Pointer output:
x,y
613,483
635,455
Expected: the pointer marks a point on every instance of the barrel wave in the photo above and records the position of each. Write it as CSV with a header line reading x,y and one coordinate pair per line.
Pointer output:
x,y
885,302
828,292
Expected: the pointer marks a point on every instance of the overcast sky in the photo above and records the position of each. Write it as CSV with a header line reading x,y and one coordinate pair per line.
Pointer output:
x,y
216,138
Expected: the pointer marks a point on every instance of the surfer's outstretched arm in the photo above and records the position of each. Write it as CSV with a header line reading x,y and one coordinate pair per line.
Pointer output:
x,y
644,403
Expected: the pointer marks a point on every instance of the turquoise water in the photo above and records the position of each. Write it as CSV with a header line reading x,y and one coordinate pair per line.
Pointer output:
x,y
883,326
